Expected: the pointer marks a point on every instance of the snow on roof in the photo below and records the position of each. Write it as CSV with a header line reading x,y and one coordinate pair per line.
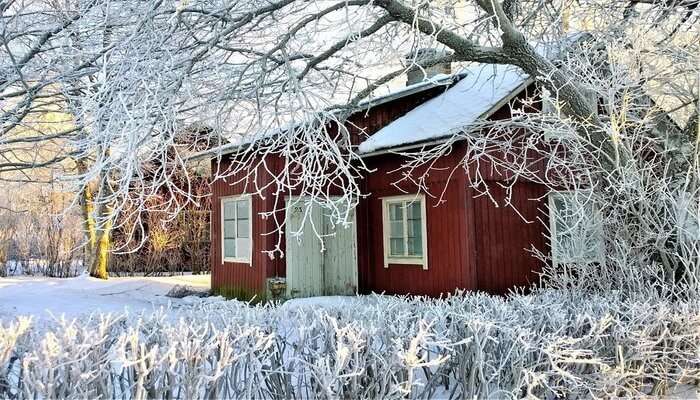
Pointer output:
x,y
473,97
426,83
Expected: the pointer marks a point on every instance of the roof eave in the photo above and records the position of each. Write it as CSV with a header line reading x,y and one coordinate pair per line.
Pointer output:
x,y
229,148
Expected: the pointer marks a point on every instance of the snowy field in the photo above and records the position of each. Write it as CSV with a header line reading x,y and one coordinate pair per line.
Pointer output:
x,y
49,298
44,297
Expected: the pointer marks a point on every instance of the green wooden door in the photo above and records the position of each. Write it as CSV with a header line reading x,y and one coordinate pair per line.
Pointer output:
x,y
312,271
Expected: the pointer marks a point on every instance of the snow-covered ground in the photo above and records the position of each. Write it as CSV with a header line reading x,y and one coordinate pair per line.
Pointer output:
x,y
44,297
48,297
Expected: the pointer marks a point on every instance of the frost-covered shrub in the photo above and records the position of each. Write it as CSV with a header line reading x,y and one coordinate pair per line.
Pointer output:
x,y
545,345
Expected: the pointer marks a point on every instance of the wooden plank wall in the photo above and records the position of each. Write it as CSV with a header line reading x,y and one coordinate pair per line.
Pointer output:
x,y
449,264
473,243
503,238
247,278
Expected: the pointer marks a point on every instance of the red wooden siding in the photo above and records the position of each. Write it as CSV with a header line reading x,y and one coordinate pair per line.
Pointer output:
x,y
503,237
449,264
241,276
472,244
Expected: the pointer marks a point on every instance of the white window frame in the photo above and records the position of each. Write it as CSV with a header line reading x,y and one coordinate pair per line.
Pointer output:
x,y
688,226
421,260
599,254
245,259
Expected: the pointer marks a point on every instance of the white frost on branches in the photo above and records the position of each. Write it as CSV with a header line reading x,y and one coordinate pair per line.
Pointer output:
x,y
104,92
545,345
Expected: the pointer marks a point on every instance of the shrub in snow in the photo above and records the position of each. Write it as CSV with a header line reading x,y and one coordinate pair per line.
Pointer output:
x,y
42,267
180,291
545,345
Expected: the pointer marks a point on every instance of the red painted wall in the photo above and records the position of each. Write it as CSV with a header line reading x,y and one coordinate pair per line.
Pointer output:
x,y
472,243
250,277
503,238
449,263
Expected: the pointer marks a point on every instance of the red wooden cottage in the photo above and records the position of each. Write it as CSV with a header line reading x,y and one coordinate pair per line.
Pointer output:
x,y
402,242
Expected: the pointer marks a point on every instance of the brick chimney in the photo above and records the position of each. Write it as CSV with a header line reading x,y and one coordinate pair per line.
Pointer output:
x,y
419,71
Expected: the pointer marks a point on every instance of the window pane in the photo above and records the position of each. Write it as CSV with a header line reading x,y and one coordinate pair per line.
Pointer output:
x,y
230,229
243,245
414,220
242,209
564,223
229,210
230,248
396,229
577,234
396,247
415,246
563,248
243,228
415,228
559,204
565,217
395,211
414,210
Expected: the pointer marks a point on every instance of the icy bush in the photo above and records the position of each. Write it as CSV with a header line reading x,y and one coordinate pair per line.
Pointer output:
x,y
181,291
545,345
67,268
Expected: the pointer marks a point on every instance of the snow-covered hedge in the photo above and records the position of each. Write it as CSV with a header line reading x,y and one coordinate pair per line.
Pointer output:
x,y
546,345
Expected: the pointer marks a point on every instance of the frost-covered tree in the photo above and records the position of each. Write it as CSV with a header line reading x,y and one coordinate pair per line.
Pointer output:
x,y
66,71
281,72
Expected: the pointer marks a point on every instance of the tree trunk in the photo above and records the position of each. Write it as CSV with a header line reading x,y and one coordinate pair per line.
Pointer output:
x,y
87,209
105,213
518,52
101,254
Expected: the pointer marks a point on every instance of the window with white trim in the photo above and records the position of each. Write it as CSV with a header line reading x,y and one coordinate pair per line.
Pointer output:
x,y
404,229
687,218
236,229
575,228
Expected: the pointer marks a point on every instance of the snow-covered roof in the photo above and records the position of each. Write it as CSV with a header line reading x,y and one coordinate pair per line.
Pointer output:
x,y
425,84
473,97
